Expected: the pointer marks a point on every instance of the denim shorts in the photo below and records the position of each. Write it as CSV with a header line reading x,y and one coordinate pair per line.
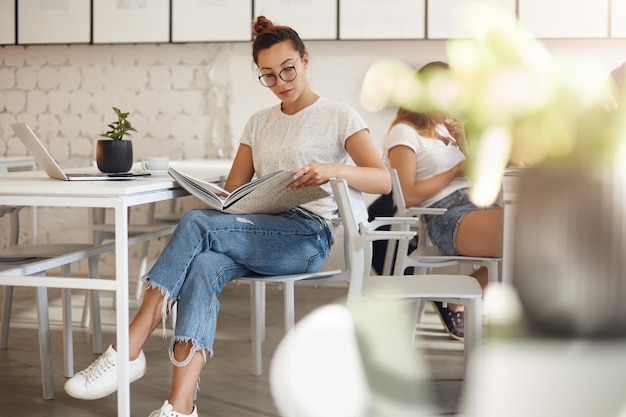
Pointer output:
x,y
443,228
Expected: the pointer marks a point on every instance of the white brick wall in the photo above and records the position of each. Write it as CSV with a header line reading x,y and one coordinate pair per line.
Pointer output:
x,y
178,96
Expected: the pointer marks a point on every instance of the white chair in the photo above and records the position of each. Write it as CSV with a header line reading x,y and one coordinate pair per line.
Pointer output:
x,y
357,251
36,259
337,362
457,289
426,256
257,304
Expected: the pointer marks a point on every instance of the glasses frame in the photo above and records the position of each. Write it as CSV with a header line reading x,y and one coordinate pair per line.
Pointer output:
x,y
280,74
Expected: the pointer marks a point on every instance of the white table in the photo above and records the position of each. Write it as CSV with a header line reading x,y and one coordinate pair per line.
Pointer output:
x,y
34,188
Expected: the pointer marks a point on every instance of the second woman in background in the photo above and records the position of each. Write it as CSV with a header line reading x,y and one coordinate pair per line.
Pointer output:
x,y
428,152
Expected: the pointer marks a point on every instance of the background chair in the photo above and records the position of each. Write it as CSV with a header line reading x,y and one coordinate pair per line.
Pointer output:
x,y
426,256
257,304
337,361
36,259
152,228
360,233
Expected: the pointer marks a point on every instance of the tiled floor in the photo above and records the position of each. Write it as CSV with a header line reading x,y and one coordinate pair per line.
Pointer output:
x,y
227,388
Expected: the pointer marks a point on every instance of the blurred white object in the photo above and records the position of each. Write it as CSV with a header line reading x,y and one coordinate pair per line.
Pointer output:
x,y
317,370
539,377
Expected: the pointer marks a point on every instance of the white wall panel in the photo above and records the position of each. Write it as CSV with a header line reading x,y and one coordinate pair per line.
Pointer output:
x,y
445,19
131,21
312,19
382,19
618,18
211,20
7,21
53,21
565,18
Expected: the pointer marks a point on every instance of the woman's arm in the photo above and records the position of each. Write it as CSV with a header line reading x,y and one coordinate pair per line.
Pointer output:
x,y
403,159
370,174
242,170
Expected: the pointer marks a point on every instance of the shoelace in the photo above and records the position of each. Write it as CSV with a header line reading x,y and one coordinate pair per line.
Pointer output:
x,y
164,411
97,369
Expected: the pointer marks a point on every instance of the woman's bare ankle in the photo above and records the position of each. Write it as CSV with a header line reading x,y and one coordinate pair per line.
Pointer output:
x,y
132,355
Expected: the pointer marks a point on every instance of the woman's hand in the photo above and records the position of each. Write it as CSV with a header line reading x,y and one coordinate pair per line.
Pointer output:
x,y
312,174
455,128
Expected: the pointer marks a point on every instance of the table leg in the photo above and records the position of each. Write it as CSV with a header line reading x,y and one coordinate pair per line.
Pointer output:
x,y
122,308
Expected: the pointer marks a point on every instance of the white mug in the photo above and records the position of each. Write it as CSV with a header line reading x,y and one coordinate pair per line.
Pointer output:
x,y
155,163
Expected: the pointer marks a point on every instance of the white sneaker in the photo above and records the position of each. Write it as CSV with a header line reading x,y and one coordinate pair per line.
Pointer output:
x,y
168,411
100,378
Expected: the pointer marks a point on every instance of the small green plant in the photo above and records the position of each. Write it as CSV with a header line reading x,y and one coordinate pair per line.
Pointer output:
x,y
119,128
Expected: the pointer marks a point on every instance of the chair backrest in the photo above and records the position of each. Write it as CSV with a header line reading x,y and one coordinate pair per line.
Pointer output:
x,y
424,245
14,220
396,193
359,234
358,252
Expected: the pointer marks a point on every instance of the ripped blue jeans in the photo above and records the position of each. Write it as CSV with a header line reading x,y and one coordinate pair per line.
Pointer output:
x,y
209,248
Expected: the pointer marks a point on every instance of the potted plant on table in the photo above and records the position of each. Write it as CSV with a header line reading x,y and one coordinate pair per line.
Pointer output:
x,y
115,154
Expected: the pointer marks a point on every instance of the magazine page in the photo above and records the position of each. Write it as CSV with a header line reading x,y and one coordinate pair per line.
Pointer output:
x,y
268,194
209,193
271,195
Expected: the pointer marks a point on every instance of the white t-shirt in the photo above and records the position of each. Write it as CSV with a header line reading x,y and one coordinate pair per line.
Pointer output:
x,y
316,133
433,156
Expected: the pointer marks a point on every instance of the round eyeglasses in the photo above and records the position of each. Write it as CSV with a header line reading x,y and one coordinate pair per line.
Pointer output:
x,y
287,74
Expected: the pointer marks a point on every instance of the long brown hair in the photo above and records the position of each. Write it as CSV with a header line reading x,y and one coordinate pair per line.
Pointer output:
x,y
424,123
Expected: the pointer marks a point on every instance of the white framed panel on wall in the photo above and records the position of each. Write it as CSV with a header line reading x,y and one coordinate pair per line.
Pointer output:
x,y
565,18
382,19
211,20
53,21
445,18
312,19
7,22
618,16
131,21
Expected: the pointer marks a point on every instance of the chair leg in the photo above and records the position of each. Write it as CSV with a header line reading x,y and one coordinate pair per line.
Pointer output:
x,y
45,355
7,300
473,328
493,268
96,325
84,321
261,308
68,342
289,306
256,291
95,322
389,256
419,308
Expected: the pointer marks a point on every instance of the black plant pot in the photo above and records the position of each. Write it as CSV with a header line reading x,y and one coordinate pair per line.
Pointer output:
x,y
114,155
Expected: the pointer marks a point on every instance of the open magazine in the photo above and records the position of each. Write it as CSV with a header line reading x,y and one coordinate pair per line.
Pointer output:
x,y
268,194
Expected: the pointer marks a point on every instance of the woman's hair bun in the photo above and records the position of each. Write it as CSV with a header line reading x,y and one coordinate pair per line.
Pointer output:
x,y
260,25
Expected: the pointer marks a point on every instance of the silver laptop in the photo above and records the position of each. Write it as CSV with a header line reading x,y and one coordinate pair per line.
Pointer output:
x,y
49,165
